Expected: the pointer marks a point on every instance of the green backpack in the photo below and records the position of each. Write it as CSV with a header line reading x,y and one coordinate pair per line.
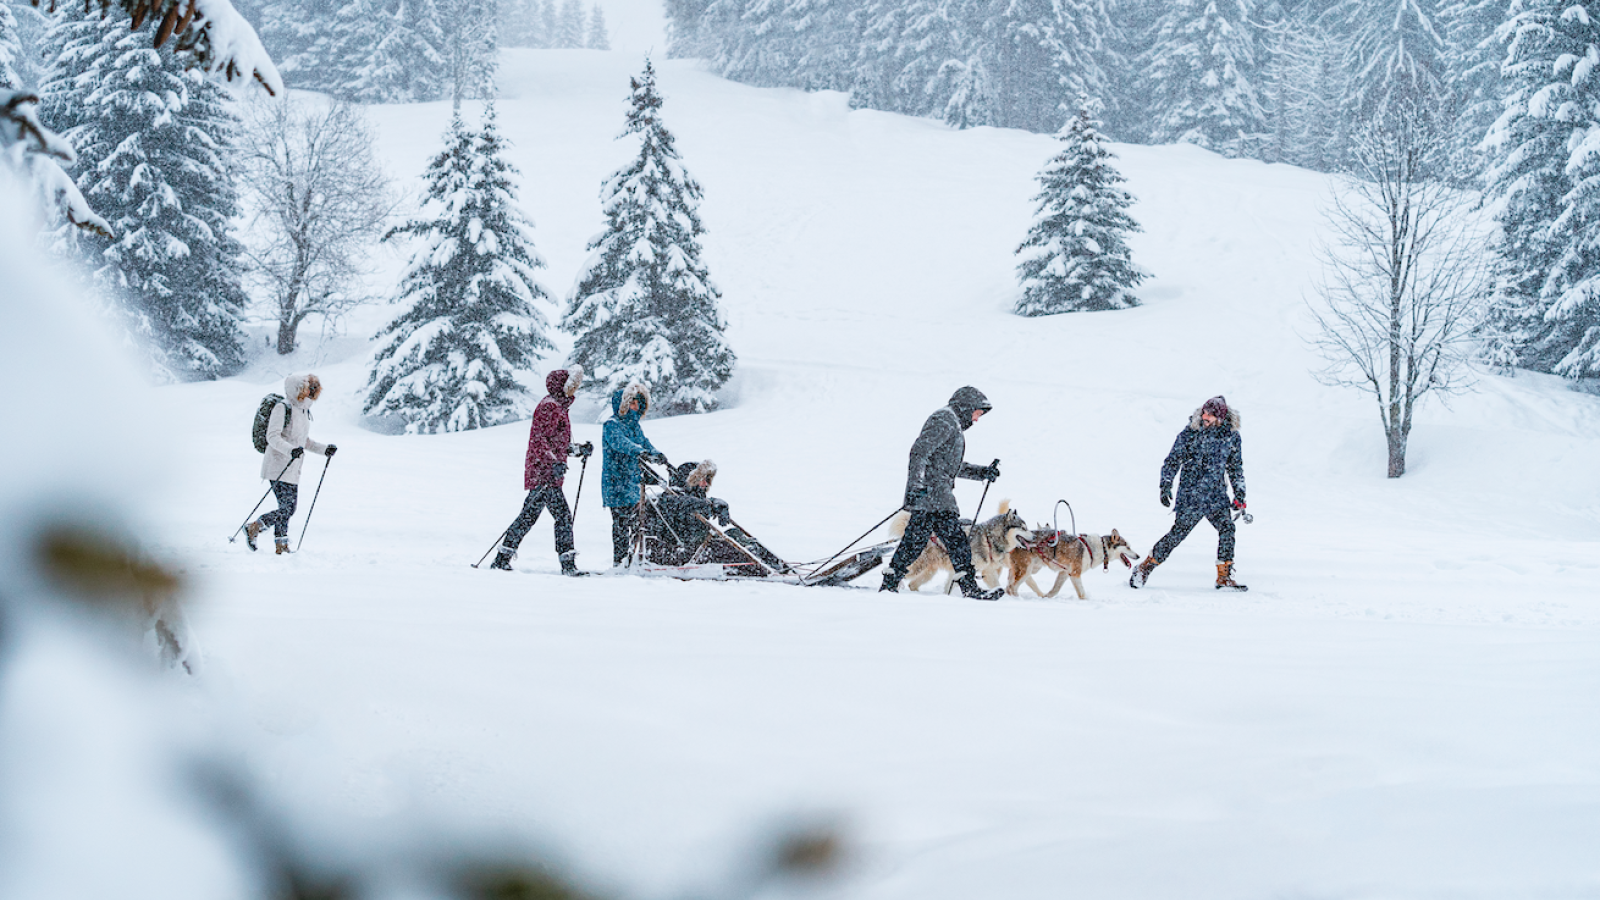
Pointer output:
x,y
258,431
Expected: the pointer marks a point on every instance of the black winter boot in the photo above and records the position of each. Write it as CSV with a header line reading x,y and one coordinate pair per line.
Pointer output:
x,y
569,563
970,589
502,560
891,582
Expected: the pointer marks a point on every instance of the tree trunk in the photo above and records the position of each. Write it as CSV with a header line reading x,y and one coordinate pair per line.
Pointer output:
x,y
286,331
1397,451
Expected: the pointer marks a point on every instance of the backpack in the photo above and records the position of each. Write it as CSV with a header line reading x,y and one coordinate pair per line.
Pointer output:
x,y
258,431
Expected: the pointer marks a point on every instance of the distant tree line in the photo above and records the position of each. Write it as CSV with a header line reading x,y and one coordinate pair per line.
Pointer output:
x,y
1510,88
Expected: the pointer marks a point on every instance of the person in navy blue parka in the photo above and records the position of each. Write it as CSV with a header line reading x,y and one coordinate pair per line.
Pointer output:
x,y
621,473
1209,456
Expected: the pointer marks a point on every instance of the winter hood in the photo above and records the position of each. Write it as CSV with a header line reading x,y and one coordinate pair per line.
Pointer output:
x,y
1233,419
294,384
621,396
965,401
561,384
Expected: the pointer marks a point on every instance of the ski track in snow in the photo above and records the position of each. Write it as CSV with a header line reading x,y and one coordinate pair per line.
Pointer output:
x,y
1402,705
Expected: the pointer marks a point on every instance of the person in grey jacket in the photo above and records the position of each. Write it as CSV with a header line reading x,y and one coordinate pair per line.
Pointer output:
x,y
935,464
288,438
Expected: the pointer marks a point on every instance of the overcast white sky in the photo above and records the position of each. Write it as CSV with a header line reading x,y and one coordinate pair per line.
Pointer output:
x,y
636,25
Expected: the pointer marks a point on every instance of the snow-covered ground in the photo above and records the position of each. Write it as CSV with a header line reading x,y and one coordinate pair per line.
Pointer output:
x,y
1403,706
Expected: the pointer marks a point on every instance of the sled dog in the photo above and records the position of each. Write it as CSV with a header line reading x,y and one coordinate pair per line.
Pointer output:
x,y
1068,555
992,541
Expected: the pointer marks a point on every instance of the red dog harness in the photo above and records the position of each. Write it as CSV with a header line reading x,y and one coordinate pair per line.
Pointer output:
x,y
1042,546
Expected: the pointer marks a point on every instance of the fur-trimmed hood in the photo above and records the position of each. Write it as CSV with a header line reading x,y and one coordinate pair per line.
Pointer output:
x,y
622,396
1233,419
691,475
293,385
562,383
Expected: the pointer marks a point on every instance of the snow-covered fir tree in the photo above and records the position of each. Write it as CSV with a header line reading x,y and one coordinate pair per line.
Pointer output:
x,y
599,38
152,137
1076,255
519,24
364,51
1472,64
644,308
1530,189
569,26
1395,52
1200,75
472,322
471,45
1304,86
10,48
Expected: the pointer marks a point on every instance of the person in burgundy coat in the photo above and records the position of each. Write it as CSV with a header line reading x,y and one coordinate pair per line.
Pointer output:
x,y
549,445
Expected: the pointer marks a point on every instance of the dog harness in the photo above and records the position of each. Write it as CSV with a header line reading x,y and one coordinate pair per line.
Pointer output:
x,y
1041,547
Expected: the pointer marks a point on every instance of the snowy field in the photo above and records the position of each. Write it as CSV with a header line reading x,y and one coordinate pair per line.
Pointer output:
x,y
1403,706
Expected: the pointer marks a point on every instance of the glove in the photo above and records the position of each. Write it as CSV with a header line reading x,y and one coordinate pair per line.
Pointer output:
x,y
332,449
720,508
297,452
580,450
1166,498
558,470
658,456
991,471
1238,503
915,497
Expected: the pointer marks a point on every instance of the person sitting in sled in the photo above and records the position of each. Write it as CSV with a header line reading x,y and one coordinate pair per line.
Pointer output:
x,y
680,532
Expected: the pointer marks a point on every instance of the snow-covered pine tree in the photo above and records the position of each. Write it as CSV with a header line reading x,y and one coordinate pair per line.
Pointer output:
x,y
1395,52
402,65
450,361
471,45
1527,184
1076,255
644,308
519,24
1472,59
152,137
1201,70
550,22
1304,85
569,27
599,38
10,48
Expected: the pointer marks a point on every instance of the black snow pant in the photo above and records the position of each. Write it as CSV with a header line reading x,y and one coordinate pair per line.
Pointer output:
x,y
947,525
1221,518
542,497
624,521
288,496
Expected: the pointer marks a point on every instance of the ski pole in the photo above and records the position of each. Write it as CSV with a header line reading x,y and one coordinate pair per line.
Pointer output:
x,y
853,543
497,542
325,461
583,469
247,519
985,495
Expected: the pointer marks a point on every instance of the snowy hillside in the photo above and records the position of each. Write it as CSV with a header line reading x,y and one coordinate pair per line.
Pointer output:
x,y
1402,705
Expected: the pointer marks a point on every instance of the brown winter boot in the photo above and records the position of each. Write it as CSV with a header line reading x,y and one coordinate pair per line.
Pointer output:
x,y
283,546
1225,580
1142,573
251,532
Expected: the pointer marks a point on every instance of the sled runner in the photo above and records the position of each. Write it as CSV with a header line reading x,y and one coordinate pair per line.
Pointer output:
x,y
676,539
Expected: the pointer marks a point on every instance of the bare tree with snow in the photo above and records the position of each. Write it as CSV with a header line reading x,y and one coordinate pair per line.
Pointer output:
x,y
319,200
1403,281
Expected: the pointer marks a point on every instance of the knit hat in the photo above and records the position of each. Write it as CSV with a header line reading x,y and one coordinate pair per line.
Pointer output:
x,y
1217,406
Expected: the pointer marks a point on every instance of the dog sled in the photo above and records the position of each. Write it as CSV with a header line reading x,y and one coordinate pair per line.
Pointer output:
x,y
682,533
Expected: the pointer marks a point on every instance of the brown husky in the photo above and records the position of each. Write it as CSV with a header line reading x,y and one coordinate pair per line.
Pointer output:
x,y
992,541
1069,555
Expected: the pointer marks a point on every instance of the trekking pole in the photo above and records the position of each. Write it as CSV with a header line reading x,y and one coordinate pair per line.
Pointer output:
x,y
984,496
583,469
326,460
497,541
248,519
852,544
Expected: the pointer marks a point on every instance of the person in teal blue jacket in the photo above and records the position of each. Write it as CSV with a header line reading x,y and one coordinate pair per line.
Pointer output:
x,y
625,446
